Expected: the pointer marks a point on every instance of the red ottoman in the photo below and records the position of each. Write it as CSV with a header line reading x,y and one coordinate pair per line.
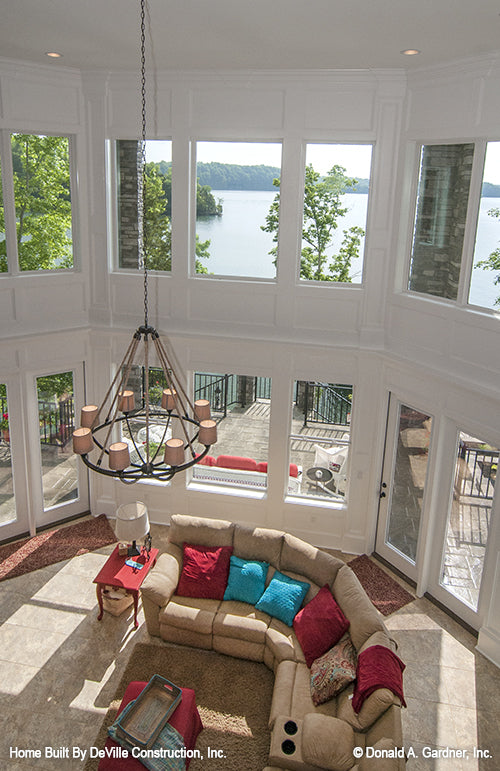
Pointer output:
x,y
185,719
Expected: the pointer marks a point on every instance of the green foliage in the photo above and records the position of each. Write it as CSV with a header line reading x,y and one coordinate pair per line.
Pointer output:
x,y
157,227
206,205
492,262
58,384
322,209
43,203
232,176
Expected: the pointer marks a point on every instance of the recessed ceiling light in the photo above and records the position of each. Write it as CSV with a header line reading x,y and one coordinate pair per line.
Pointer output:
x,y
53,54
410,51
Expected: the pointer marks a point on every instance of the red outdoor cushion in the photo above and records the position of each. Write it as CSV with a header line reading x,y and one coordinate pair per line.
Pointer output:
x,y
319,625
378,667
262,466
205,570
294,470
237,462
208,460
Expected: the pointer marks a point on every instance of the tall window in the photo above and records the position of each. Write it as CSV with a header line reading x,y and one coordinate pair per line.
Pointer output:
x,y
320,438
3,246
485,279
157,204
236,194
42,195
241,405
442,199
336,186
7,499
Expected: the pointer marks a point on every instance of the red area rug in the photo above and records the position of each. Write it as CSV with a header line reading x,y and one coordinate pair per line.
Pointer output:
x,y
385,593
54,546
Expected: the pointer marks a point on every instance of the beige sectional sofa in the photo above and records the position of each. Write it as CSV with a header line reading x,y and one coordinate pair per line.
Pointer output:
x,y
324,736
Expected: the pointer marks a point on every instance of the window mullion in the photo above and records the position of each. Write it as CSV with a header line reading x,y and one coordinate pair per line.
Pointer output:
x,y
9,203
471,222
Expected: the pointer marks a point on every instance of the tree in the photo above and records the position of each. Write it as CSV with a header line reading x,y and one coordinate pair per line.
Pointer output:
x,y
322,210
492,262
157,228
43,202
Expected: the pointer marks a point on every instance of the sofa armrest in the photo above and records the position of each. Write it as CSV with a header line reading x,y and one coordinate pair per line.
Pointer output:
x,y
373,707
160,584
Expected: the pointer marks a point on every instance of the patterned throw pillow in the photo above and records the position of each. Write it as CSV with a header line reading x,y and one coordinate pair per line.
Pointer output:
x,y
333,671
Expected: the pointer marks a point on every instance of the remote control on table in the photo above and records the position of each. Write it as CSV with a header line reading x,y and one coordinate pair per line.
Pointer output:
x,y
134,564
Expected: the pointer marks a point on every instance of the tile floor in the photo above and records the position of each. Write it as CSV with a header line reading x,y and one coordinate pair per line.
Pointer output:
x,y
59,668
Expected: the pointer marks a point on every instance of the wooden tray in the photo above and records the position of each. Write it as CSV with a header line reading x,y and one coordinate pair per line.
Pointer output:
x,y
150,711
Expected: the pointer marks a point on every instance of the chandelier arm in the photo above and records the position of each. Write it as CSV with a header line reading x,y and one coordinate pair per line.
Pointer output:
x,y
115,379
146,367
125,417
167,366
115,403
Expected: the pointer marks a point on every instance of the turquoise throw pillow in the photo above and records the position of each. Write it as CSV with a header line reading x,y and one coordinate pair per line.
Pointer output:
x,y
283,597
247,580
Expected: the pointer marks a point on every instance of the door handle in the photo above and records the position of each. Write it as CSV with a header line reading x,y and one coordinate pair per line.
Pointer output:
x,y
382,494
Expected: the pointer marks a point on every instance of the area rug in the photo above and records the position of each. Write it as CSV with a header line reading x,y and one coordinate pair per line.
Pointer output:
x,y
385,593
53,546
233,697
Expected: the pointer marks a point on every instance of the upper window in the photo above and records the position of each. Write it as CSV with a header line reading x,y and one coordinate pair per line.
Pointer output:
x,y
336,185
42,196
441,212
157,196
236,197
485,279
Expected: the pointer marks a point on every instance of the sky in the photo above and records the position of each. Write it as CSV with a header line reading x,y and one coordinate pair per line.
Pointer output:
x,y
356,159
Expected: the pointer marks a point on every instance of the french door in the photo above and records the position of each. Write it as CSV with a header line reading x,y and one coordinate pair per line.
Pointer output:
x,y
14,512
403,486
61,490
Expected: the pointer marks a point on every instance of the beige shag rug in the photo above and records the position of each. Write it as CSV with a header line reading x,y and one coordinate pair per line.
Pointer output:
x,y
233,697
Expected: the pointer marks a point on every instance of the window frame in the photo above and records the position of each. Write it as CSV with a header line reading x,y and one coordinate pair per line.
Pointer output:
x,y
9,203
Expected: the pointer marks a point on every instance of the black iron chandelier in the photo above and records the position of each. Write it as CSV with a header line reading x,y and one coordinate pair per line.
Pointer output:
x,y
146,447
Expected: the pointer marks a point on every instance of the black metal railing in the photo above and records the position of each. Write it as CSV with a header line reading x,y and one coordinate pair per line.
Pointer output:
x,y
476,475
57,421
327,403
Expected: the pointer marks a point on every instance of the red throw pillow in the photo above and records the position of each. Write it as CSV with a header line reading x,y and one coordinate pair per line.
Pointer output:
x,y
319,625
205,570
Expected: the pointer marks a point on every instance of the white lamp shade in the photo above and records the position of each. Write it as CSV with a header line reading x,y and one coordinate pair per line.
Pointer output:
x,y
119,456
132,522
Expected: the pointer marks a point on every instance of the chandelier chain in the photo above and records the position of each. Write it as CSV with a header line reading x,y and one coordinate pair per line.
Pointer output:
x,y
141,167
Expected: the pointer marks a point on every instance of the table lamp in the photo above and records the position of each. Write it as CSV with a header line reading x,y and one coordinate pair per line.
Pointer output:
x,y
132,524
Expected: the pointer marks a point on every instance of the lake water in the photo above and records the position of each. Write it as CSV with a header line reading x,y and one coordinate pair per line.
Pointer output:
x,y
238,247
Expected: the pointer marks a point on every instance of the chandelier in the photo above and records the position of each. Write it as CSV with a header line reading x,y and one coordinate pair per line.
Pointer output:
x,y
157,440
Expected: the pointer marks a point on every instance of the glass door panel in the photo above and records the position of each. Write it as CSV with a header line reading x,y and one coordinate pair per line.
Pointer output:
x,y
55,395
469,519
7,499
403,486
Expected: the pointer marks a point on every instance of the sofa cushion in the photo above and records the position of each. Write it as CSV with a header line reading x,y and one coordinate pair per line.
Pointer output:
x,y
319,625
242,621
191,613
283,597
205,570
333,671
209,532
300,557
282,641
327,742
258,543
247,580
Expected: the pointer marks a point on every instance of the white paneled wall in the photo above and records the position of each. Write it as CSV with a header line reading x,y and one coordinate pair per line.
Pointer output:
x,y
375,336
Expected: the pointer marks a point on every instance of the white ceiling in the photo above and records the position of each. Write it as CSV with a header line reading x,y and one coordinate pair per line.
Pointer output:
x,y
256,34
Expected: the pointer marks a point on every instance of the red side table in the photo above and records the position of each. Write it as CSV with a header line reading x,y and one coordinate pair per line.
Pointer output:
x,y
185,718
116,573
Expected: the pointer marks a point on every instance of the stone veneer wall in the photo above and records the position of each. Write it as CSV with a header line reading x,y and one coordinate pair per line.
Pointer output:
x,y
127,203
440,221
